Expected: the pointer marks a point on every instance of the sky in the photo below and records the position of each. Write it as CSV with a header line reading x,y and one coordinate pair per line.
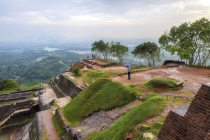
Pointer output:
x,y
96,19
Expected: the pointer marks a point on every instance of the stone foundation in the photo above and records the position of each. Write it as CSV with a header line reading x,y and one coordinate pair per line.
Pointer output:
x,y
8,109
6,97
173,62
65,87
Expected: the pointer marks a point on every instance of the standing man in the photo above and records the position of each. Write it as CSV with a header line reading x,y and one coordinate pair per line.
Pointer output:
x,y
129,72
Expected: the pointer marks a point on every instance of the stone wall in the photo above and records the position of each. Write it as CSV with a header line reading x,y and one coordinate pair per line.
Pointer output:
x,y
174,62
65,87
8,109
6,97
191,123
21,91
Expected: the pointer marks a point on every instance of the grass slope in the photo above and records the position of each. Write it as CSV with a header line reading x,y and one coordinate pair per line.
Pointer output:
x,y
148,109
103,94
97,74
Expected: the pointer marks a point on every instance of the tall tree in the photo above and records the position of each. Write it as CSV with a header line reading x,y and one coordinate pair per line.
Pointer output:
x,y
101,47
149,51
189,40
118,50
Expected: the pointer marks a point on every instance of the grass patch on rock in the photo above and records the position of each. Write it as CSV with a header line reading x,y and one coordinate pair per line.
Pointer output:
x,y
59,129
30,87
158,85
97,74
153,128
104,94
117,131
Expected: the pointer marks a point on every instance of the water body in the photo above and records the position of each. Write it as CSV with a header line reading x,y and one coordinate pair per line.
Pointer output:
x,y
50,49
80,52
5,136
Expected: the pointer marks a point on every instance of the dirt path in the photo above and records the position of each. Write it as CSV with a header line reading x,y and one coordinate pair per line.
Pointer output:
x,y
49,126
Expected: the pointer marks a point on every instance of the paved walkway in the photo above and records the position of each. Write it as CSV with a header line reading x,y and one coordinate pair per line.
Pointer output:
x,y
48,125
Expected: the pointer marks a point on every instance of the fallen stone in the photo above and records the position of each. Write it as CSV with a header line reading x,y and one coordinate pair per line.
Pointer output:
x,y
148,135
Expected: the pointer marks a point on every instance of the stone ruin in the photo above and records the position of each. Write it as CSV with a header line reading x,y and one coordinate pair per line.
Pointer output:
x,y
191,122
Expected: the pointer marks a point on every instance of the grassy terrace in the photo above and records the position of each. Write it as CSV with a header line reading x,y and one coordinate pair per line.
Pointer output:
x,y
103,94
156,85
117,131
22,88
97,74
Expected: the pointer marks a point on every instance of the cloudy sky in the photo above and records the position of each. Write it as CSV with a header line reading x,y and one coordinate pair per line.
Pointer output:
x,y
131,19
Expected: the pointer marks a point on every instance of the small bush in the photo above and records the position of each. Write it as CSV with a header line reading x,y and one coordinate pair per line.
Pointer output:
x,y
76,71
9,85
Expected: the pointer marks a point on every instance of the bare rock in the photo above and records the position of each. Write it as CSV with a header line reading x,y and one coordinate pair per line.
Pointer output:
x,y
148,135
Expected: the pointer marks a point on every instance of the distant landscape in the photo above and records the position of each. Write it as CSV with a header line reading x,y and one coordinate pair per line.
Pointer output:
x,y
31,64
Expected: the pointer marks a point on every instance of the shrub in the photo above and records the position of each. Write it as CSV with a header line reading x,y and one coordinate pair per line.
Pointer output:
x,y
9,84
76,71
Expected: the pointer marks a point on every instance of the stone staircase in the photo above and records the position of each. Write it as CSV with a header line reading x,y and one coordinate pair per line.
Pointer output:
x,y
86,85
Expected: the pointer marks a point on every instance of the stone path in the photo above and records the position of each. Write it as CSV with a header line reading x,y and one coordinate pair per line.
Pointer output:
x,y
61,102
48,125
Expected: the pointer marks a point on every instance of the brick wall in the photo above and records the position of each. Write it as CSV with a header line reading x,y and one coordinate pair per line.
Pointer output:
x,y
194,125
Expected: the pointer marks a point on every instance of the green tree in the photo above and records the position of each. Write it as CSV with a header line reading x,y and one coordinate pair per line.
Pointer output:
x,y
189,40
101,47
118,50
149,51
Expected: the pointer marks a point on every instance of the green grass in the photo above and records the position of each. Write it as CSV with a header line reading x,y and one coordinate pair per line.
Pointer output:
x,y
45,135
75,81
168,84
30,87
103,94
22,88
117,131
177,101
136,90
8,102
97,74
7,91
60,130
154,128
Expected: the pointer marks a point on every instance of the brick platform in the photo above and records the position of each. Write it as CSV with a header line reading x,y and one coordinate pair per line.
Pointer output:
x,y
191,123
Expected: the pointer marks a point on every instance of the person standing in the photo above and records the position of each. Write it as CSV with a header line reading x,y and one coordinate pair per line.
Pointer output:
x,y
129,72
